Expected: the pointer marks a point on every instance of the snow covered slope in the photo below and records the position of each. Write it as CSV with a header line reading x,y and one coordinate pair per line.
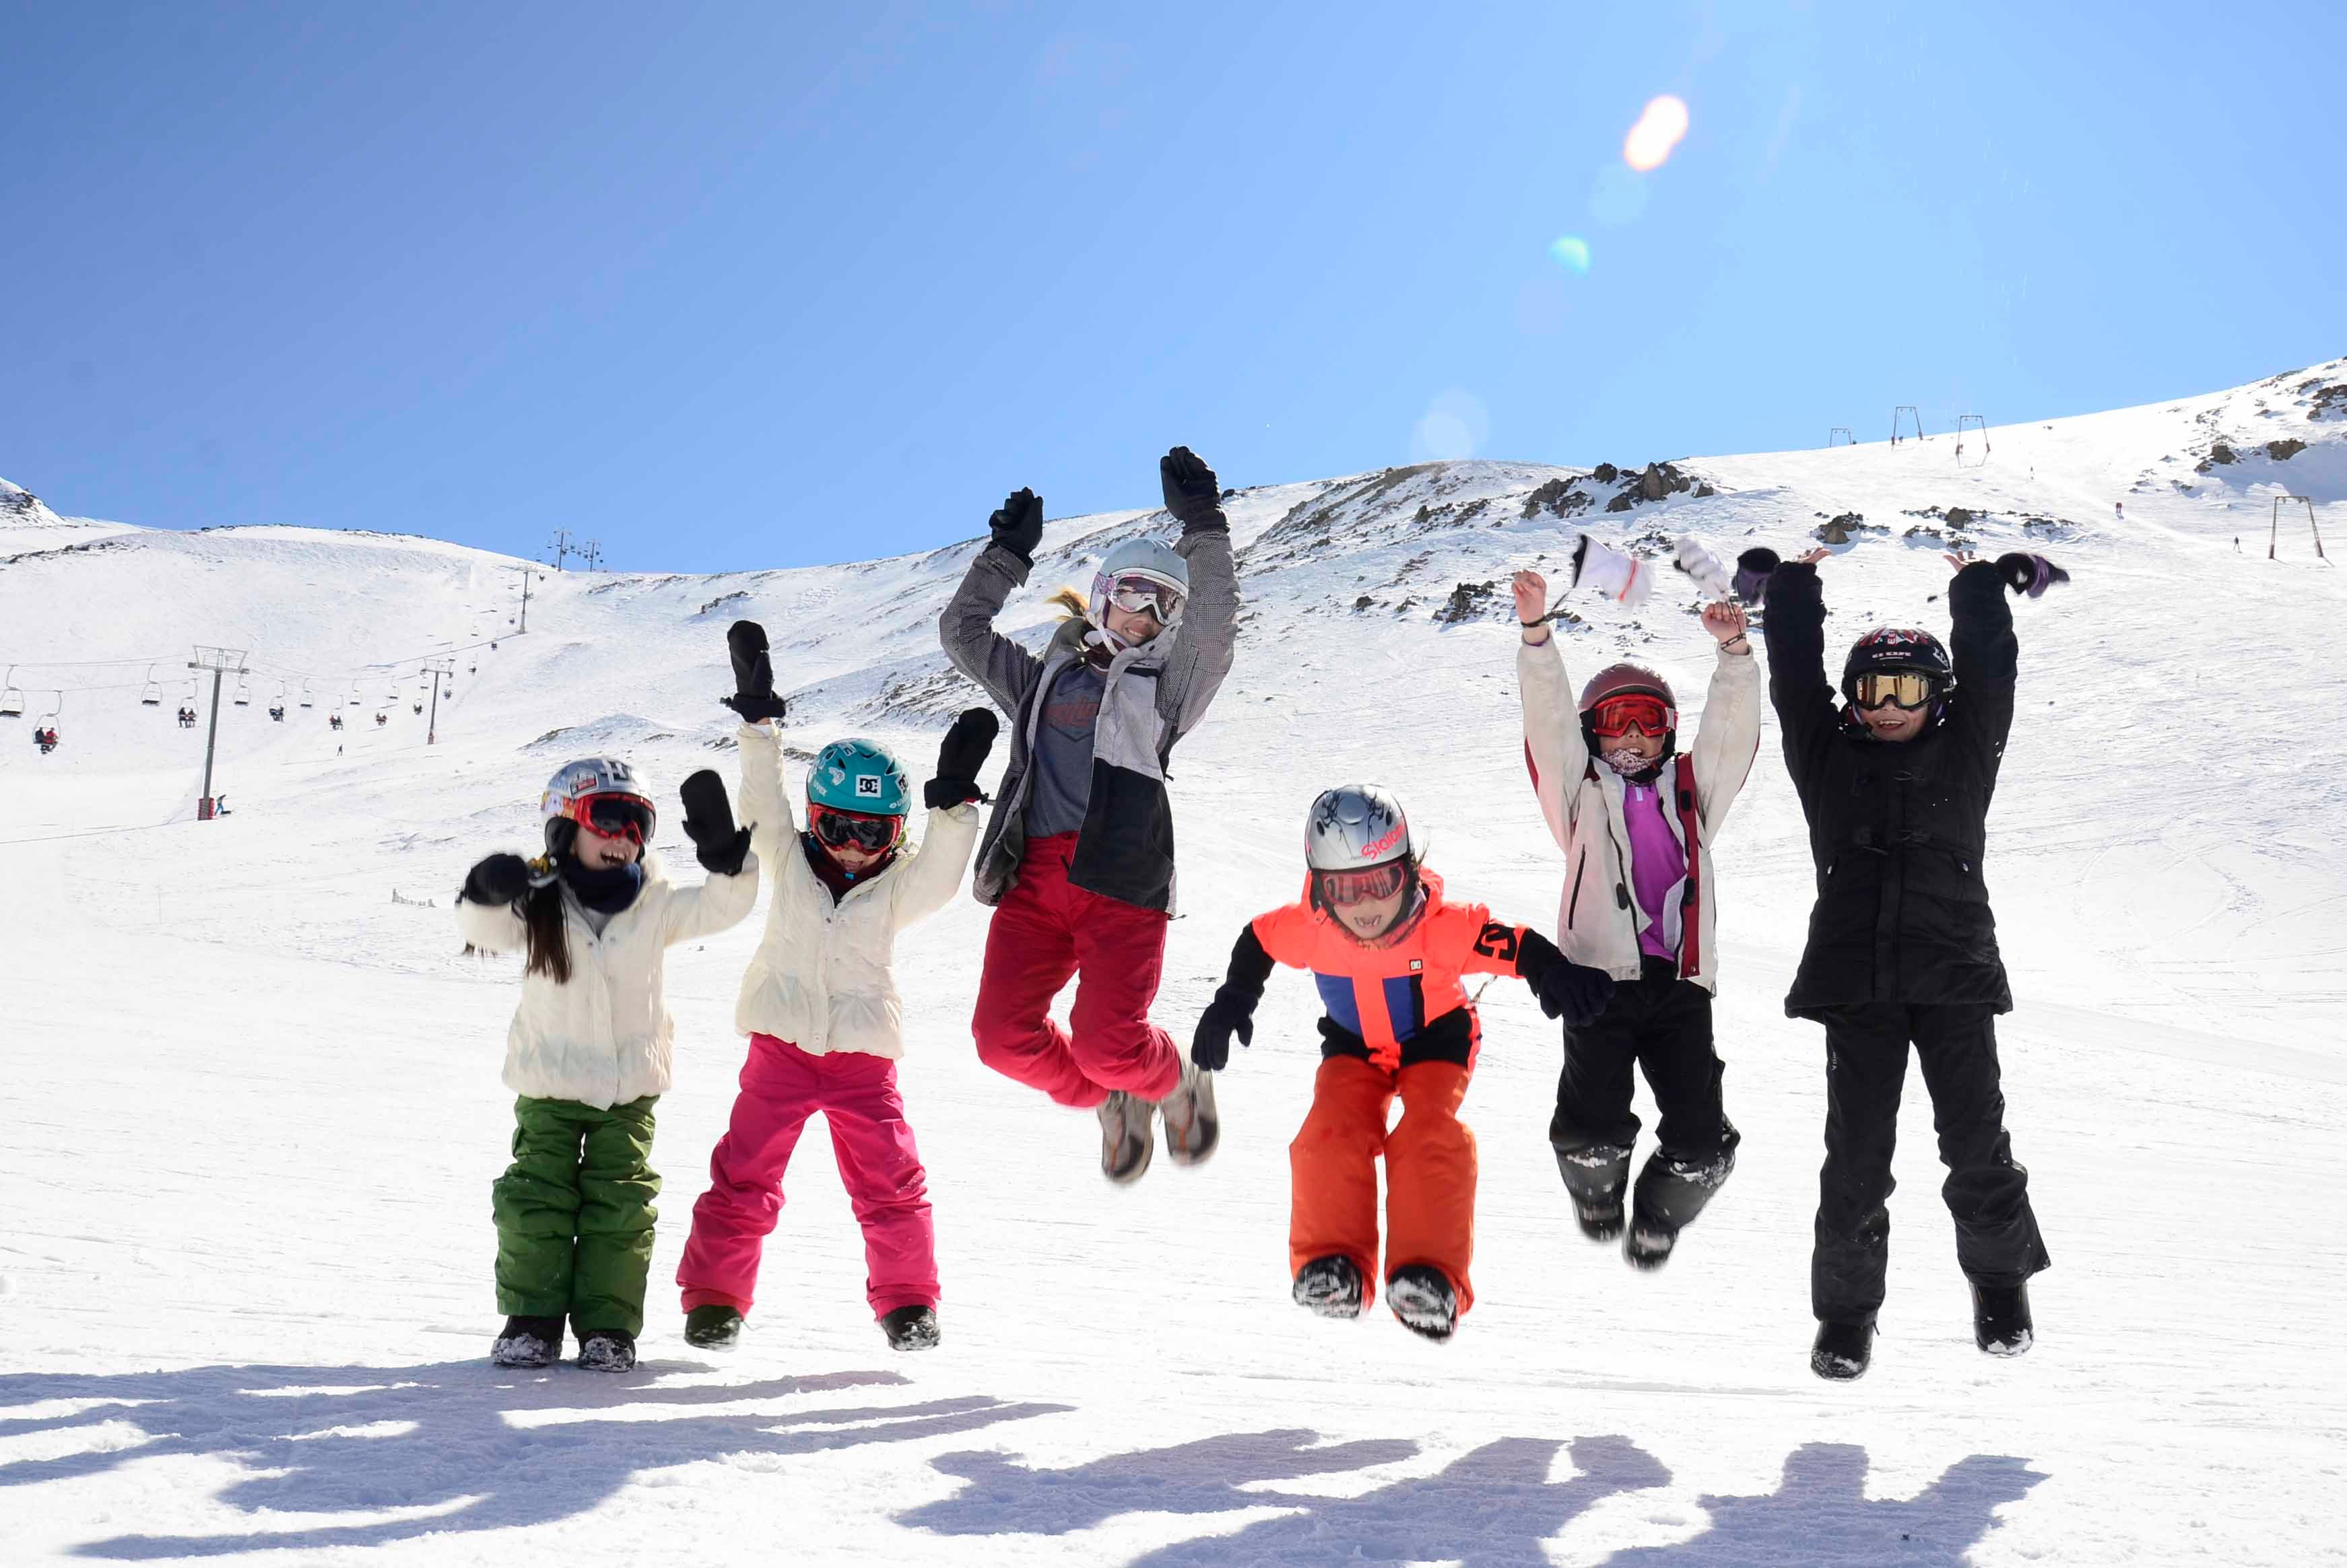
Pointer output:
x,y
257,1104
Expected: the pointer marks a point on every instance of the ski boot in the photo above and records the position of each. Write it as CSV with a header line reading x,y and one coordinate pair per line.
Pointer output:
x,y
1192,1126
528,1342
1672,1190
1330,1287
1594,1178
716,1327
1127,1139
607,1350
913,1327
1842,1350
2001,1324
1422,1298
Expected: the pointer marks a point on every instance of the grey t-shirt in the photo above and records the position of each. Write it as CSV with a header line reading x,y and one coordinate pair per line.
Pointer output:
x,y
1063,752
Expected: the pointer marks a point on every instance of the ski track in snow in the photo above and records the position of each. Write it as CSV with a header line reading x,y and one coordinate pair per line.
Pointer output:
x,y
255,1107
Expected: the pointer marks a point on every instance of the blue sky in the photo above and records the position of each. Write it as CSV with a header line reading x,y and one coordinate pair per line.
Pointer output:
x,y
758,285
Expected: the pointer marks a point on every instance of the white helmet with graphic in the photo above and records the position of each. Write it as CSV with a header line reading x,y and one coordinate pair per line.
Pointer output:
x,y
1356,826
602,792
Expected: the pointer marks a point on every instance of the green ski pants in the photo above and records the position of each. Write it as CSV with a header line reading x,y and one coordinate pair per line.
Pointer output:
x,y
574,1213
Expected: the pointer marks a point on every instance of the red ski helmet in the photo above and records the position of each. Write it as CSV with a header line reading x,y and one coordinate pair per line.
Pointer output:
x,y
1626,679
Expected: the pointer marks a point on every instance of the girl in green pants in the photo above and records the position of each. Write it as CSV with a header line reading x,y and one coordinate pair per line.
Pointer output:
x,y
588,1049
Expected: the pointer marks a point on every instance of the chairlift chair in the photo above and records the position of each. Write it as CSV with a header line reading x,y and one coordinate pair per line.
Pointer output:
x,y
151,693
306,701
12,697
243,693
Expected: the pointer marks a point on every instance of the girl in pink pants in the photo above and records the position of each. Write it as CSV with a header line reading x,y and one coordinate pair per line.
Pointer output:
x,y
821,1009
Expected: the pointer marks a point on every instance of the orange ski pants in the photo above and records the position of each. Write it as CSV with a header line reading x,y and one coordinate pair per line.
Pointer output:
x,y
1429,1172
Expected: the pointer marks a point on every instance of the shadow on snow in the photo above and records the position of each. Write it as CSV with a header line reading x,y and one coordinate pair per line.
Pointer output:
x,y
1491,1508
476,1448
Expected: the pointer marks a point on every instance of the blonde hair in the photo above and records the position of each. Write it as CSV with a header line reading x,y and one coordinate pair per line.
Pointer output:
x,y
1071,605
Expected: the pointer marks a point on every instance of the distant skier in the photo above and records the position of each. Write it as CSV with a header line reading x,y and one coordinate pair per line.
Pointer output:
x,y
820,1007
589,1051
1639,901
1901,946
2118,509
1078,856
1387,951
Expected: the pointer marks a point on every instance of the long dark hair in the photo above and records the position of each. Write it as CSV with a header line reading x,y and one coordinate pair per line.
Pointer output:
x,y
549,941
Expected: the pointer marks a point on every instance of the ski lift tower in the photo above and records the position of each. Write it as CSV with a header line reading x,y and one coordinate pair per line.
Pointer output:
x,y
1965,421
220,662
1911,417
1840,435
2274,536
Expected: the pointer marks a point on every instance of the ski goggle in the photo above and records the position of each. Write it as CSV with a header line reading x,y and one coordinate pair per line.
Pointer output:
x,y
1617,715
628,817
1902,689
841,828
1134,594
1363,886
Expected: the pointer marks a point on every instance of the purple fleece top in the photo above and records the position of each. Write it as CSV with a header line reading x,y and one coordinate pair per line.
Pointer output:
x,y
1657,863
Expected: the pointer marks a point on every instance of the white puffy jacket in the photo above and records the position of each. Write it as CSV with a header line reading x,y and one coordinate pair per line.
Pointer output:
x,y
603,1038
821,978
1598,914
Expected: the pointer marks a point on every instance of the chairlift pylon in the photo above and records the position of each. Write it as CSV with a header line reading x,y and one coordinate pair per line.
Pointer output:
x,y
12,697
1971,421
1840,435
1907,409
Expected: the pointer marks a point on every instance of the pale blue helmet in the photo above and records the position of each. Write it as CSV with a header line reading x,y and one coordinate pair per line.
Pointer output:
x,y
860,775
1147,562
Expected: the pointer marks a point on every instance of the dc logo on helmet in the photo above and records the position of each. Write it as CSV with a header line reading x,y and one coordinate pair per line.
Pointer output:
x,y
868,784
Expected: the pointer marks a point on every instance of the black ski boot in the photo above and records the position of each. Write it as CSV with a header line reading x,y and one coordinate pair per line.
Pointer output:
x,y
2001,1324
1330,1287
1672,1190
528,1342
607,1350
913,1327
1422,1298
1594,1178
716,1327
1842,1350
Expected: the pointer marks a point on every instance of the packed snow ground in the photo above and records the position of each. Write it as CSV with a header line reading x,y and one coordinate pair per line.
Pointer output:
x,y
254,1107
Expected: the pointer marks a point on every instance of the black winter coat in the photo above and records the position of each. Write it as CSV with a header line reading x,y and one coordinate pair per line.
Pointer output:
x,y
1896,829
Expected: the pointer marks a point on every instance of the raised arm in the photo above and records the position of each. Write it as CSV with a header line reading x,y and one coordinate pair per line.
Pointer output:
x,y
488,915
1795,629
1206,641
1987,658
1005,670
1554,750
936,873
1730,736
765,804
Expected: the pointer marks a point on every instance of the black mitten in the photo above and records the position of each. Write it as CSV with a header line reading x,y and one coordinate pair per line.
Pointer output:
x,y
1752,569
754,674
496,880
2030,575
1018,524
960,759
1193,493
1572,991
1225,1015
717,844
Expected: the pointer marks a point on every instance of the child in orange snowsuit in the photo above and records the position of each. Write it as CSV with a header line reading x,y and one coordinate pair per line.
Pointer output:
x,y
1387,952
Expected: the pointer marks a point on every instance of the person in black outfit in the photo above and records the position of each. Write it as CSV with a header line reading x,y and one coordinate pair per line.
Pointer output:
x,y
1901,945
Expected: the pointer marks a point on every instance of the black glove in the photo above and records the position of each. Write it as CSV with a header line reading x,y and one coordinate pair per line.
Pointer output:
x,y
960,758
1752,569
1572,991
1193,493
720,847
1018,526
754,674
1225,1015
2030,575
498,879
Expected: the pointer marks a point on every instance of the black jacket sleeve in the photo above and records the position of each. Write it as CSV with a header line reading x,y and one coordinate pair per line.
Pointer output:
x,y
1535,954
1987,658
1795,630
1251,966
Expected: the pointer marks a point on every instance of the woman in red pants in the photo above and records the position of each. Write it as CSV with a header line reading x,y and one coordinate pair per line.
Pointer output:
x,y
1077,857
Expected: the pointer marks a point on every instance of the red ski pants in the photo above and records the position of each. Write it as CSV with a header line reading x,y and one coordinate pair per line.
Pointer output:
x,y
1045,931
781,1086
1429,1172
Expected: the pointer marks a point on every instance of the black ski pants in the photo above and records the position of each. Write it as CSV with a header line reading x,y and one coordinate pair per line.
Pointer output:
x,y
1986,1191
1661,1024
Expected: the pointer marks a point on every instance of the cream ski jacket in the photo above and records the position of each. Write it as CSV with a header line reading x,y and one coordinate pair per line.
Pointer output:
x,y
822,977
1598,917
604,1038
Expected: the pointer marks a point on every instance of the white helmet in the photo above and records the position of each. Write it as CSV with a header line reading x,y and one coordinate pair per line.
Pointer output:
x,y
593,785
1356,826
1146,563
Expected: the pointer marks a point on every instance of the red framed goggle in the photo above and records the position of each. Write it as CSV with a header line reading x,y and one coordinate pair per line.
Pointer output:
x,y
1362,886
627,817
840,829
1617,715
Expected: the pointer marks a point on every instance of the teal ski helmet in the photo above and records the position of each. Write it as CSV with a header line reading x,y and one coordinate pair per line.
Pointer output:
x,y
861,776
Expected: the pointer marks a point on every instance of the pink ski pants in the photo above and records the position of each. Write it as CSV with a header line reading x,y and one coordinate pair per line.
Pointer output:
x,y
781,1086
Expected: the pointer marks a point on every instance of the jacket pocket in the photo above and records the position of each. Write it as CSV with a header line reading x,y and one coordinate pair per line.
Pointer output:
x,y
1580,870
